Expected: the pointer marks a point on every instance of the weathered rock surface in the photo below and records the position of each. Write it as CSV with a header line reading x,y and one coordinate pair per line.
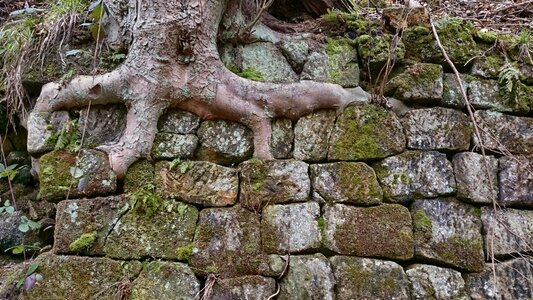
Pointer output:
x,y
246,287
510,133
311,135
10,272
165,281
378,231
364,133
308,277
80,278
46,128
282,138
102,124
87,174
179,122
516,181
165,231
266,59
272,182
507,231
346,182
431,282
290,227
451,93
229,240
485,94
337,64
513,281
296,53
171,145
448,232
437,129
420,83
375,50
197,182
77,217
475,182
415,174
364,278
224,142
9,234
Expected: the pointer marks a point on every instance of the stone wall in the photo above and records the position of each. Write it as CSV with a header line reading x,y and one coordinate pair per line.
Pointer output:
x,y
369,204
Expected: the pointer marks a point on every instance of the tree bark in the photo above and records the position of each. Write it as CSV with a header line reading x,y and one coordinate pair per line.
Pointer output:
x,y
173,61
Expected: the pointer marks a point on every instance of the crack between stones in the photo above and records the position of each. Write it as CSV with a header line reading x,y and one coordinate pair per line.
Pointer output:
x,y
123,212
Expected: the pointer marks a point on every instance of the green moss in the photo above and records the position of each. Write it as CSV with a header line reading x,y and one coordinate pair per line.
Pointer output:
x,y
251,74
83,242
456,36
55,177
421,221
212,269
185,252
375,49
364,134
138,176
486,36
145,200
358,276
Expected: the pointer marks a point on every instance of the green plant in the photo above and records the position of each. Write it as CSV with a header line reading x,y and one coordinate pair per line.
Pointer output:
x,y
524,43
509,81
27,224
9,172
251,74
30,277
18,249
145,200
69,138
7,207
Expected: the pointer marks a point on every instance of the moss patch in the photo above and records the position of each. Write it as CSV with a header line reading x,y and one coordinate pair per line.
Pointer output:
x,y
366,132
83,242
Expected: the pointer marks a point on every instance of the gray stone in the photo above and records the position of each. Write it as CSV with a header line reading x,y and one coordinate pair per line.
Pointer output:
x,y
343,67
377,231
290,228
77,217
448,232
18,157
229,243
475,182
197,182
296,52
86,174
282,138
178,121
516,181
102,124
311,135
512,281
316,67
507,133
309,277
346,182
364,278
437,129
270,182
485,94
224,142
10,235
366,132
164,231
171,145
507,231
81,278
488,66
420,83
266,59
451,93
11,271
415,174
44,129
165,281
431,282
246,287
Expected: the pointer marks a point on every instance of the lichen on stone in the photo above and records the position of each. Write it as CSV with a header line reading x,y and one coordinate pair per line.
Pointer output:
x,y
83,242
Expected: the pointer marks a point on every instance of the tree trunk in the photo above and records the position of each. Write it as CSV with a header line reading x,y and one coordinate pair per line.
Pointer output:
x,y
173,62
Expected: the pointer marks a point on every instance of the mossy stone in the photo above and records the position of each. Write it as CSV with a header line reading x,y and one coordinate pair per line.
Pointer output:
x,y
366,132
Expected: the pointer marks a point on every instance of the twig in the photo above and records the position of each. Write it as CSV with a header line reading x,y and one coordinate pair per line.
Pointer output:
x,y
246,31
509,7
478,136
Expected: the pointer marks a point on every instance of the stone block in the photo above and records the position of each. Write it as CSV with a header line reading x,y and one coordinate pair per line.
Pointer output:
x,y
311,135
246,287
171,145
224,142
435,283
475,183
507,231
179,122
516,181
